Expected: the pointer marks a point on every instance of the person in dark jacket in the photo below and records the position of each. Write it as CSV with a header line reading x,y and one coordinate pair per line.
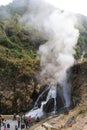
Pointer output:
x,y
8,126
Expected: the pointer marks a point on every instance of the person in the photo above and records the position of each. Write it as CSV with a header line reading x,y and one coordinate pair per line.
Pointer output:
x,y
4,123
4,127
19,121
14,116
22,125
16,128
8,126
30,121
37,119
26,123
1,120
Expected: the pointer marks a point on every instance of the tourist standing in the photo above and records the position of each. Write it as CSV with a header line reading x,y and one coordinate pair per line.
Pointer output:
x,y
8,126
30,121
19,121
5,127
26,123
37,118
14,116
16,128
4,123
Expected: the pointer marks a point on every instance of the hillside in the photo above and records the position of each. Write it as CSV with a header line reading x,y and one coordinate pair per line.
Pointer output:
x,y
19,62
18,65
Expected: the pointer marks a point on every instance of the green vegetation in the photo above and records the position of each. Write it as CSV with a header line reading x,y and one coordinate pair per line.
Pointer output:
x,y
82,41
18,66
81,110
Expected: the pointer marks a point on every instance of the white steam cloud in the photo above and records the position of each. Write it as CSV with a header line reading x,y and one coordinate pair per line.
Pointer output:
x,y
57,53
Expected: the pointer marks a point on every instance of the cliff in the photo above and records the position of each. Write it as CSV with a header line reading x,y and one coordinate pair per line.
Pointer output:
x,y
77,117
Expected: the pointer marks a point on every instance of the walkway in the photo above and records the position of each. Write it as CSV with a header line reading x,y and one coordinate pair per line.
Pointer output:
x,y
12,124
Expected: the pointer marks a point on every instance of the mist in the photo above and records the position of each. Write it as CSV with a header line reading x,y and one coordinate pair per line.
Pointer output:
x,y
59,28
57,54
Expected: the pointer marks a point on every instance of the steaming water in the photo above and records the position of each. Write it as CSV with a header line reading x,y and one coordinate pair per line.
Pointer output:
x,y
41,95
39,111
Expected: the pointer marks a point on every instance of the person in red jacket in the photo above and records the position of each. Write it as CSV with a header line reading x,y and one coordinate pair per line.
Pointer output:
x,y
5,127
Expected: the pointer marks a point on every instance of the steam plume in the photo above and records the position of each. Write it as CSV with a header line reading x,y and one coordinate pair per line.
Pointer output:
x,y
57,53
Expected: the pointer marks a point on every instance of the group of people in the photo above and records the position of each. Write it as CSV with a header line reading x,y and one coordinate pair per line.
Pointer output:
x,y
22,122
3,123
7,127
27,122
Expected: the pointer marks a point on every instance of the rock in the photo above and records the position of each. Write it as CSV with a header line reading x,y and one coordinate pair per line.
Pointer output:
x,y
48,126
69,121
59,99
49,106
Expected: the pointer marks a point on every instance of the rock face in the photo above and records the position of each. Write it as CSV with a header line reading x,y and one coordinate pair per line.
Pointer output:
x,y
18,98
49,106
79,89
21,93
59,99
79,83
